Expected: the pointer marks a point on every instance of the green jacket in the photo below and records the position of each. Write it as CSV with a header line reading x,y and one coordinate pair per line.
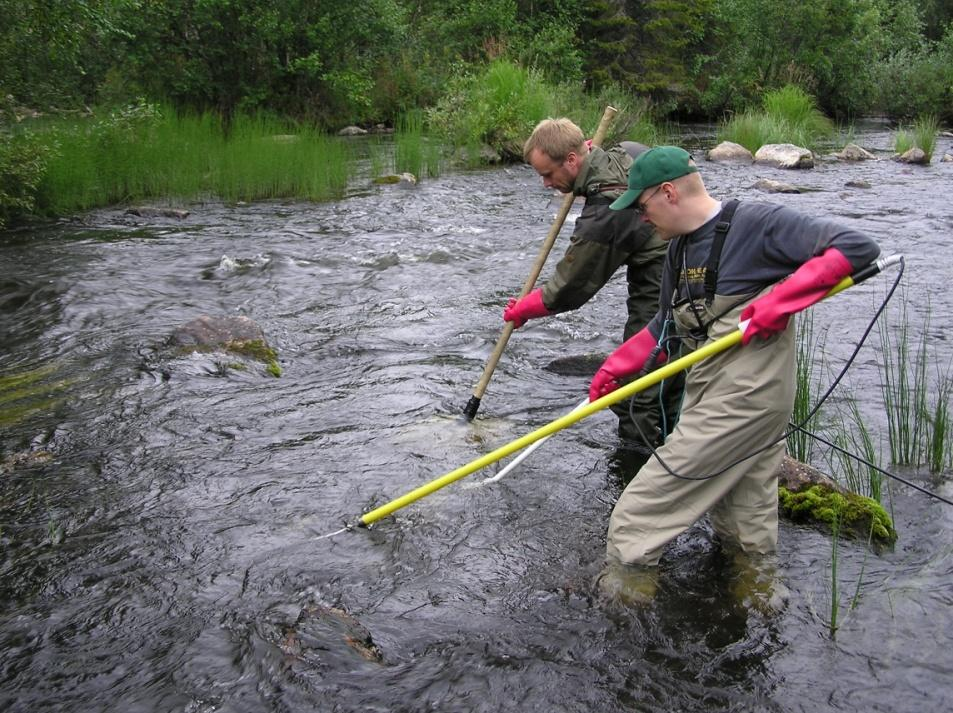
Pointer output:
x,y
603,241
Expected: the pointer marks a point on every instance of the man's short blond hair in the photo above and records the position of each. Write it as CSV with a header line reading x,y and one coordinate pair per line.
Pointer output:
x,y
556,138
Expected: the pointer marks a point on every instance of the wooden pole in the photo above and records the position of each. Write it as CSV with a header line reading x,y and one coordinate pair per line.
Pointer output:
x,y
474,403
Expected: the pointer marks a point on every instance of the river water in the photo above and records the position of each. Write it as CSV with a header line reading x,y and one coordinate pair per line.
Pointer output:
x,y
160,513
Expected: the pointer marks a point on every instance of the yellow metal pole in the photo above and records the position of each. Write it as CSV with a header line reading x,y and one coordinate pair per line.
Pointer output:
x,y
623,392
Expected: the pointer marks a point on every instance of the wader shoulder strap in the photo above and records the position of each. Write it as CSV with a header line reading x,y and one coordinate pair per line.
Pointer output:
x,y
714,257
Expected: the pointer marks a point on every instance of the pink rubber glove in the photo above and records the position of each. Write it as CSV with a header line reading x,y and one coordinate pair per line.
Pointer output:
x,y
809,283
628,359
518,311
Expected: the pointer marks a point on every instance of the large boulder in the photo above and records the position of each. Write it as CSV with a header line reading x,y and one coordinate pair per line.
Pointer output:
x,y
853,152
784,156
914,155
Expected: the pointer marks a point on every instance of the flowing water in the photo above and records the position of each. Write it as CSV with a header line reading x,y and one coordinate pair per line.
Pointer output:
x,y
159,513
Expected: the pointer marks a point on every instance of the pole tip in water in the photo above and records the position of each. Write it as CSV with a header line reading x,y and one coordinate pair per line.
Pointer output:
x,y
471,408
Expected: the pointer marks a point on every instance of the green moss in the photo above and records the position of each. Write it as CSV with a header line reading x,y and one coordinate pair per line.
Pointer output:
x,y
254,349
859,516
12,382
274,369
29,392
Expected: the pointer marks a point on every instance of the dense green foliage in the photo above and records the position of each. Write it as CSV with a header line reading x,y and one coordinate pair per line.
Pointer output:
x,y
475,71
336,63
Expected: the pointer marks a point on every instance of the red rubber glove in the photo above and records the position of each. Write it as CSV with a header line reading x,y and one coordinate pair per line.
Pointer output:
x,y
518,311
809,283
628,359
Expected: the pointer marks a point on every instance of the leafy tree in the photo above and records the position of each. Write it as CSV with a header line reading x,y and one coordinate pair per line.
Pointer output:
x,y
52,52
605,32
828,47
300,56
667,34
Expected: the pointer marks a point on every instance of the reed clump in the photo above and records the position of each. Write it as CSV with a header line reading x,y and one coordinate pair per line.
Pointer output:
x,y
788,115
922,135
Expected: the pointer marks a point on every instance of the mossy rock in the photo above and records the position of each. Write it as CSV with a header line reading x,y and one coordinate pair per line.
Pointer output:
x,y
240,336
805,495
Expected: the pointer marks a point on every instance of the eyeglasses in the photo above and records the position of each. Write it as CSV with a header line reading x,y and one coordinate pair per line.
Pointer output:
x,y
640,207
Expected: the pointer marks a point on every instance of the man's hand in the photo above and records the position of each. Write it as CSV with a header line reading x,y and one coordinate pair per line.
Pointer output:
x,y
518,311
628,359
769,315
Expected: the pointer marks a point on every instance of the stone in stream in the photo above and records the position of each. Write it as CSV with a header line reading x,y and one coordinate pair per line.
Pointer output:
x,y
806,495
235,335
324,632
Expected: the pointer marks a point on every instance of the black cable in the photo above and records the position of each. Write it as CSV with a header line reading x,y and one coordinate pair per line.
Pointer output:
x,y
877,468
800,427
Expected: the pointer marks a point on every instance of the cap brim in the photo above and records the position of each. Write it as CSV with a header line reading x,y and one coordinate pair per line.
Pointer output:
x,y
625,200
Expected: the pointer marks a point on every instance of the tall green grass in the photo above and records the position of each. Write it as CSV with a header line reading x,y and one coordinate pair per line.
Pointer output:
x,y
415,152
851,433
154,153
921,135
800,445
917,407
903,387
789,115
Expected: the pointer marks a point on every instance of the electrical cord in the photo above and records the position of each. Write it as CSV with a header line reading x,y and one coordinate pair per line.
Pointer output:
x,y
800,427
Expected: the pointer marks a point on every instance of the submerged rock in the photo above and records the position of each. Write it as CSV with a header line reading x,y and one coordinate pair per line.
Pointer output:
x,y
310,637
769,186
235,335
150,212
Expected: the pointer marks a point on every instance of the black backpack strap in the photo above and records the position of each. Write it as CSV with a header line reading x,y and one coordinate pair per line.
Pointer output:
x,y
714,257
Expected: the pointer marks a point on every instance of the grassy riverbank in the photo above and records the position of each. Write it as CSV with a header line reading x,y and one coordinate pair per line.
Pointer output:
x,y
151,152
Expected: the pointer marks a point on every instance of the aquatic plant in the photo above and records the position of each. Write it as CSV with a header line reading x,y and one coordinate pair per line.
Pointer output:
x,y
901,385
27,392
833,624
413,151
922,135
800,445
939,432
789,115
851,433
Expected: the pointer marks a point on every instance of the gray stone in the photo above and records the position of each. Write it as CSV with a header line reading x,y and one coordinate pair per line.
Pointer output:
x,y
915,155
853,152
769,186
784,156
728,151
